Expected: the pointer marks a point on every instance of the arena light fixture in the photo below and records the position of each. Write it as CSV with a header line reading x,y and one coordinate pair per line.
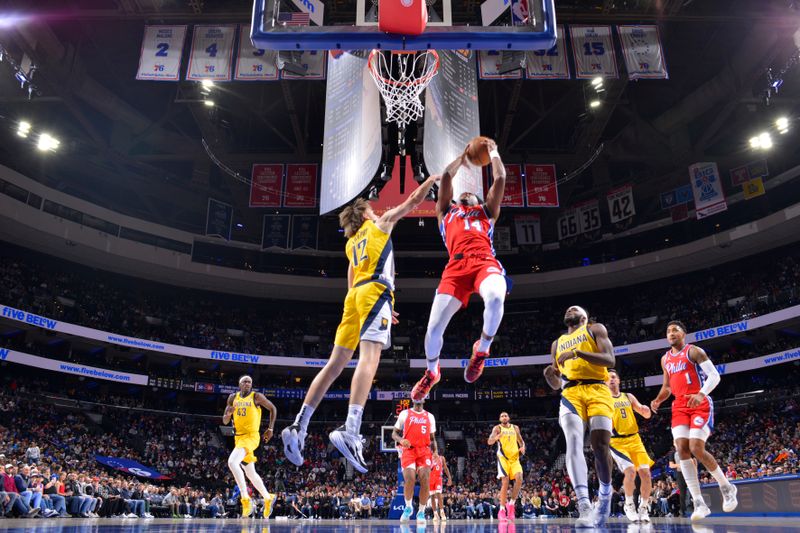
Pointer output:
x,y
47,143
597,82
766,140
24,129
594,104
372,196
208,103
782,123
207,84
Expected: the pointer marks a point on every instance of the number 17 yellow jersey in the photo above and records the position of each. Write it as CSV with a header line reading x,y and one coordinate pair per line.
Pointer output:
x,y
371,255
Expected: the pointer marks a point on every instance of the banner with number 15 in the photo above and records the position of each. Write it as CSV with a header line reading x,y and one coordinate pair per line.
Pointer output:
x,y
162,49
212,52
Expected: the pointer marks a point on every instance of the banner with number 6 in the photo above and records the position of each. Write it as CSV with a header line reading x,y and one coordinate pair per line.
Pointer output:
x,y
212,53
620,204
162,50
253,63
593,50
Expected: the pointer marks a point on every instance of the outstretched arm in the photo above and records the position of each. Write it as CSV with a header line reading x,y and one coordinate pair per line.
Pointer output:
x,y
387,221
498,189
638,407
446,185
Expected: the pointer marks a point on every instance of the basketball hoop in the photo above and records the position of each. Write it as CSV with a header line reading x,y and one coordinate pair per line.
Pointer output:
x,y
401,77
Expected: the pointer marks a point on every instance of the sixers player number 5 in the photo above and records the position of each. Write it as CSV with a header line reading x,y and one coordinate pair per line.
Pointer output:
x,y
414,432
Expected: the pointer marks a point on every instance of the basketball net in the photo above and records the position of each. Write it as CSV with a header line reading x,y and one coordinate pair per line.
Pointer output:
x,y
401,77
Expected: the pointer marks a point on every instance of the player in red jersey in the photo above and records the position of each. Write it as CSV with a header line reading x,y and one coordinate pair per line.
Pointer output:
x,y
414,433
466,227
692,414
438,467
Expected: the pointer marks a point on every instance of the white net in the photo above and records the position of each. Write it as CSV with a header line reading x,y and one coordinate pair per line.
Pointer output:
x,y
401,77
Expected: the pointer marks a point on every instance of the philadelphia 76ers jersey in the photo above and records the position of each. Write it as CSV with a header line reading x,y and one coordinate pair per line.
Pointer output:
x,y
467,230
685,376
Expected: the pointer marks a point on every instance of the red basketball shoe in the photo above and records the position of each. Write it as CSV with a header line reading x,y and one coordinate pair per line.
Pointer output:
x,y
475,367
425,384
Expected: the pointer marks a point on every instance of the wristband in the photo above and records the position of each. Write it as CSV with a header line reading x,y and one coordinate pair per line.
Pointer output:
x,y
493,154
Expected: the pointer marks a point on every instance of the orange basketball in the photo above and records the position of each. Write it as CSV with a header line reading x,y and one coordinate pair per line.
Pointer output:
x,y
478,153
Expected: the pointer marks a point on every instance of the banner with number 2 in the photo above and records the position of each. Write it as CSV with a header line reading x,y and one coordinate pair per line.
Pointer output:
x,y
162,50
212,53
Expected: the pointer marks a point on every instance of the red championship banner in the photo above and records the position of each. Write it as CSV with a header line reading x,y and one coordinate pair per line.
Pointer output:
x,y
301,185
514,195
265,185
541,185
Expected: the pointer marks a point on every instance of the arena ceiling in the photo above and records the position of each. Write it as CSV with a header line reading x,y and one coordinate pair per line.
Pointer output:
x,y
135,146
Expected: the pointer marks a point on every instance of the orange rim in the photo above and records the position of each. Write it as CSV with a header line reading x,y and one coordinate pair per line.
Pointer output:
x,y
388,81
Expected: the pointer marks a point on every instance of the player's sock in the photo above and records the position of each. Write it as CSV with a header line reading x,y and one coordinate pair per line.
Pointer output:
x,y
304,417
354,413
689,470
409,503
629,499
719,475
605,491
484,344
432,364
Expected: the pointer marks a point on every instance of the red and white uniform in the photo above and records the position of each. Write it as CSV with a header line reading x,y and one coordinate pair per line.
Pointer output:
x,y
417,428
467,233
686,378
436,475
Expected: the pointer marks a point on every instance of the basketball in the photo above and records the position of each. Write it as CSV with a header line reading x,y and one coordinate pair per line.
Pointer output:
x,y
477,152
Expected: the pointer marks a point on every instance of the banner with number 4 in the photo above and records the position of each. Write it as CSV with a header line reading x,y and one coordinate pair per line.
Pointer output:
x,y
254,63
212,53
593,50
620,204
162,49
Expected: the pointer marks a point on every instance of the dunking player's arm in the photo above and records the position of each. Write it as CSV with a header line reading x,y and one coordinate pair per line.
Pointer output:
x,y
445,196
262,401
498,189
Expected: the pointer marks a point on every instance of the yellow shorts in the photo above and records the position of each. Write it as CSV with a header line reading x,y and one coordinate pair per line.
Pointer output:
x,y
367,316
629,452
250,442
587,401
508,468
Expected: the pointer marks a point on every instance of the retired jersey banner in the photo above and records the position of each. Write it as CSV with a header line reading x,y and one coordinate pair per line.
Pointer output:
x,y
588,216
593,51
275,232
254,63
219,219
265,185
681,195
304,231
513,195
489,66
541,186
568,225
314,63
620,204
753,188
707,187
641,48
162,49
549,64
301,186
212,52
528,229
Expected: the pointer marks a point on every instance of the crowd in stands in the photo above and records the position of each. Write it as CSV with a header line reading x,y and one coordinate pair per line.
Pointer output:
x,y
132,307
47,465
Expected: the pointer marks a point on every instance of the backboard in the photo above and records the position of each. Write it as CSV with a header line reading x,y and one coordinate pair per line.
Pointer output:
x,y
450,27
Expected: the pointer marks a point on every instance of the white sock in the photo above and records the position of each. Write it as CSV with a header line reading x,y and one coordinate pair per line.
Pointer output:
x,y
255,479
409,503
304,416
354,413
605,491
628,500
484,344
689,470
719,475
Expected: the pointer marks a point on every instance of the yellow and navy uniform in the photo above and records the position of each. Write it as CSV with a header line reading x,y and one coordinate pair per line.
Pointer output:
x,y
508,464
584,391
247,424
627,448
368,305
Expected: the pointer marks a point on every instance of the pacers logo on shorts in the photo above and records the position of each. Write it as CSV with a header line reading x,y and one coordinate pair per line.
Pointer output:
x,y
384,323
698,421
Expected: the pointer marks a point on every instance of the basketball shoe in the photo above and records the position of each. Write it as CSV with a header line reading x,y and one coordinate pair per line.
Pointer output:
x,y
700,511
350,446
421,516
501,514
294,439
511,511
442,516
644,513
475,367
425,384
247,507
729,501
268,506
586,515
407,512
602,511
630,511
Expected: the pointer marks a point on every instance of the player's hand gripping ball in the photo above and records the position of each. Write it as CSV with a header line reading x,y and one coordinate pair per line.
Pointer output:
x,y
478,150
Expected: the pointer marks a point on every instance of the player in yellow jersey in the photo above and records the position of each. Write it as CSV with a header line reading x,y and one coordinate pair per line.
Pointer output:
x,y
509,447
628,451
245,409
581,358
366,322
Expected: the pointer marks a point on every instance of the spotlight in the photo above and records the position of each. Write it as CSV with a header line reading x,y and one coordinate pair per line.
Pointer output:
x,y
755,143
207,84
597,82
594,104
47,143
372,195
782,123
208,103
766,141
386,174
24,129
